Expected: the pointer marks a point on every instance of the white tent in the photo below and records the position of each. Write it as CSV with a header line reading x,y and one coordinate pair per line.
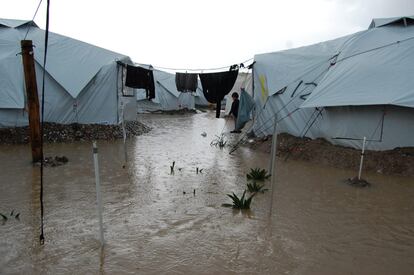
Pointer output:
x,y
83,82
244,80
344,89
167,97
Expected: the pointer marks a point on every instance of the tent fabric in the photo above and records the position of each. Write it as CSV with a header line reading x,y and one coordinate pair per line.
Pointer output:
x,y
167,97
83,82
379,22
14,23
245,108
244,80
87,58
294,64
375,68
338,89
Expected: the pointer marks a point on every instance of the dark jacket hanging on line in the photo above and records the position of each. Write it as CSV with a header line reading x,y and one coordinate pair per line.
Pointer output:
x,y
140,78
186,82
217,85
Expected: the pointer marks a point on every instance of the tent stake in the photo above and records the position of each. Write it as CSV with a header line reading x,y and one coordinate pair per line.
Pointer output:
x,y
98,192
362,158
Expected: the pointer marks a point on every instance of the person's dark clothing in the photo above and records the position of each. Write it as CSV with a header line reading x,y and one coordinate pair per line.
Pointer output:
x,y
186,82
217,85
235,108
140,78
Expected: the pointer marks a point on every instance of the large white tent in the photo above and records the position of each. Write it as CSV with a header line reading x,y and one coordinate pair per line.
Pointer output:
x,y
167,97
83,81
356,86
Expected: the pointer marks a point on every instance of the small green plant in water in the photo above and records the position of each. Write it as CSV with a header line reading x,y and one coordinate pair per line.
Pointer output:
x,y
219,141
258,174
254,187
239,203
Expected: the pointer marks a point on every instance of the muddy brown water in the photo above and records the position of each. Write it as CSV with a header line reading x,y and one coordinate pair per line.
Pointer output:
x,y
317,224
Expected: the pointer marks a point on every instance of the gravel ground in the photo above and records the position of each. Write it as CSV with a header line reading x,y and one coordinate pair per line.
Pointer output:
x,y
54,132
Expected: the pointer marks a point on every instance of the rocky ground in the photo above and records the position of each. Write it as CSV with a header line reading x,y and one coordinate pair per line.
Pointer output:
x,y
54,132
399,161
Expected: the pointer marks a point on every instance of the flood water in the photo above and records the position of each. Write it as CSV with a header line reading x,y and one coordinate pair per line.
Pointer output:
x,y
155,224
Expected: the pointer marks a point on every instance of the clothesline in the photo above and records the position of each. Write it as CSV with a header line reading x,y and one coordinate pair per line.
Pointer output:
x,y
198,70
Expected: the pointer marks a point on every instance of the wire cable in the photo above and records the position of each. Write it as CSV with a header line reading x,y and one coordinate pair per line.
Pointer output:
x,y
42,236
194,70
34,16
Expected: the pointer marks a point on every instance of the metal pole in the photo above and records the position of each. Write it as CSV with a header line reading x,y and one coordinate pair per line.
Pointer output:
x,y
272,164
273,150
124,136
98,192
362,158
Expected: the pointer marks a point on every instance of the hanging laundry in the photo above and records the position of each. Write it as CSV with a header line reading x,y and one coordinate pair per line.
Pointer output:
x,y
186,82
217,85
140,78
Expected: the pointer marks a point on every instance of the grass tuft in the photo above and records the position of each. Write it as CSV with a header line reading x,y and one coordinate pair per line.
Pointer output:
x,y
254,187
239,203
258,174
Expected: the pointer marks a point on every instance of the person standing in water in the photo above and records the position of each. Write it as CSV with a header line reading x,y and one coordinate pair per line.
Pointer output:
x,y
235,110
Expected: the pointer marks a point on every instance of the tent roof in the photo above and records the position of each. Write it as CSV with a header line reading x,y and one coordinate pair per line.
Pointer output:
x,y
70,62
379,22
14,23
374,68
283,68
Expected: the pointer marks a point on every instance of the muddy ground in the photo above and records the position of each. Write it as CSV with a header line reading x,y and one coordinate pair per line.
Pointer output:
x,y
54,132
399,161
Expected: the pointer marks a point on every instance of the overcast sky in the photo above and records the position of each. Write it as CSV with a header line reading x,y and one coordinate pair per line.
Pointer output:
x,y
204,34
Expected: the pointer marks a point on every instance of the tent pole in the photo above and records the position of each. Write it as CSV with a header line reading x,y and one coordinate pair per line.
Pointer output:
x,y
32,98
362,158
98,192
